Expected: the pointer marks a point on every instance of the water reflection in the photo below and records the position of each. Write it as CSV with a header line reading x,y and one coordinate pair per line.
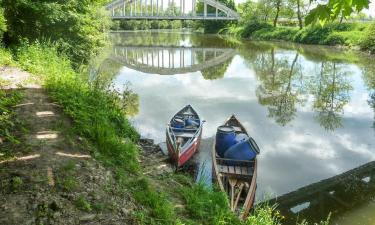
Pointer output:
x,y
337,195
280,86
310,109
166,60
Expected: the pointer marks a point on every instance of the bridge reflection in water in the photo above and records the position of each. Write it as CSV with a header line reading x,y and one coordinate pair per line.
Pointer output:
x,y
170,60
335,195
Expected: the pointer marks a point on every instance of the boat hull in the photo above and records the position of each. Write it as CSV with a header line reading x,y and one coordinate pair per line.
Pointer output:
x,y
181,158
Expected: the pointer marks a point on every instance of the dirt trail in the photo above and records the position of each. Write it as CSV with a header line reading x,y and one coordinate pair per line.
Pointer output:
x,y
51,178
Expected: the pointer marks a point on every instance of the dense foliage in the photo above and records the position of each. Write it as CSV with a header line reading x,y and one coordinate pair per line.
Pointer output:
x,y
77,26
334,8
3,26
369,40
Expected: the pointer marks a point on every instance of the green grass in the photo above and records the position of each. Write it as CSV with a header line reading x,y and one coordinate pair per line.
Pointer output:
x,y
207,206
8,122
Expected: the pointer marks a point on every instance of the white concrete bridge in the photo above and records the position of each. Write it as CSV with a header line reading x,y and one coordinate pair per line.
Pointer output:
x,y
170,60
170,10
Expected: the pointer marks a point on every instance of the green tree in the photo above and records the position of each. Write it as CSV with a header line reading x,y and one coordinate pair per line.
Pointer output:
x,y
334,8
77,26
277,4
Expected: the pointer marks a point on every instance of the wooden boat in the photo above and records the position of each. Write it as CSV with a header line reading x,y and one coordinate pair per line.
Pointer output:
x,y
183,141
238,180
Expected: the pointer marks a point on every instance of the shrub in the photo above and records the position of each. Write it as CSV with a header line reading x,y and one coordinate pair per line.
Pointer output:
x,y
253,26
313,34
368,43
349,38
276,33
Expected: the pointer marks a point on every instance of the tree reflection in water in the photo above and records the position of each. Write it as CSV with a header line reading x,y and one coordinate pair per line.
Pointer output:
x,y
331,93
279,90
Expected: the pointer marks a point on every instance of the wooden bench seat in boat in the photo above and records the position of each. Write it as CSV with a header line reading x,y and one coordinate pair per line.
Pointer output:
x,y
185,134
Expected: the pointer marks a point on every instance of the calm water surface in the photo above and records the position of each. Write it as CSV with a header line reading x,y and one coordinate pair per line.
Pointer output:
x,y
310,109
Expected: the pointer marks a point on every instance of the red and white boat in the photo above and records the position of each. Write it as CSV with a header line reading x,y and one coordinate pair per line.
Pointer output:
x,y
184,133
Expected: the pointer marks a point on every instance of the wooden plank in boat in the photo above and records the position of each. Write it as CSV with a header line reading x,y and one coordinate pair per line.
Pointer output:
x,y
185,134
239,170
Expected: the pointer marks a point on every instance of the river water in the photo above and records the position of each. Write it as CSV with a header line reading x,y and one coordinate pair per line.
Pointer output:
x,y
309,108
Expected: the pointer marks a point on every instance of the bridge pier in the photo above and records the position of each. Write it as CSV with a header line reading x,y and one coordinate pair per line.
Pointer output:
x,y
205,10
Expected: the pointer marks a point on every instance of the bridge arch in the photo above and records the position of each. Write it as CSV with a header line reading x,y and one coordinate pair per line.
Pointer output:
x,y
170,60
169,10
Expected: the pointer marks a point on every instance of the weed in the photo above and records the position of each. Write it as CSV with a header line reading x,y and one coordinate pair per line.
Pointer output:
x,y
16,183
82,204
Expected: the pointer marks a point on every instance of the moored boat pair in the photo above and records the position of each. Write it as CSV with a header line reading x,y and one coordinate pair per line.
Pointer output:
x,y
234,155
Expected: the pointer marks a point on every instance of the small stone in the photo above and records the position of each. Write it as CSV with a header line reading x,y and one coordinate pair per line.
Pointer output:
x,y
124,211
87,217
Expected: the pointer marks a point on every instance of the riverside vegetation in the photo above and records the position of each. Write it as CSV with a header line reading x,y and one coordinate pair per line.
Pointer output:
x,y
98,113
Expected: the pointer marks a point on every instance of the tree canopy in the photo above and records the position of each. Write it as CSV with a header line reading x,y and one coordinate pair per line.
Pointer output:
x,y
75,25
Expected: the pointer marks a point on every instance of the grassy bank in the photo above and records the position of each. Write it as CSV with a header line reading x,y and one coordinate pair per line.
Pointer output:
x,y
353,35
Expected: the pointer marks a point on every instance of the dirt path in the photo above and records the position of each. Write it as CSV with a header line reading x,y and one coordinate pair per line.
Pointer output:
x,y
51,178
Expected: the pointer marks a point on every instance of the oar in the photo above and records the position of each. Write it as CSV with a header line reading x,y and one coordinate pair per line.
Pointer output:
x,y
238,196
232,183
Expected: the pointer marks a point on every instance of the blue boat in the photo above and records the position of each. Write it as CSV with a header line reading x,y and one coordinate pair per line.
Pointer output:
x,y
235,165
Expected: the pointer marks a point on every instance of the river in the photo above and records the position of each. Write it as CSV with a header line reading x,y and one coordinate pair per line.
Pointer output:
x,y
309,108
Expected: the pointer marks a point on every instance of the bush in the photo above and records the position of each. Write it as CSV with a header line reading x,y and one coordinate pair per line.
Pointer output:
x,y
253,26
276,33
348,38
368,43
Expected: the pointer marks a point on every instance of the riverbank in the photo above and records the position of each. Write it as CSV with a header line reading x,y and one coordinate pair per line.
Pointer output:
x,y
359,36
76,148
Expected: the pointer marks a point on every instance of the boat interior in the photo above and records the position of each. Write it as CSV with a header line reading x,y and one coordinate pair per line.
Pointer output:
x,y
184,126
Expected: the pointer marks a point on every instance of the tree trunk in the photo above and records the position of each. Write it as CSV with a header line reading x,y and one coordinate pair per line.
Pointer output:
x,y
299,14
278,5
